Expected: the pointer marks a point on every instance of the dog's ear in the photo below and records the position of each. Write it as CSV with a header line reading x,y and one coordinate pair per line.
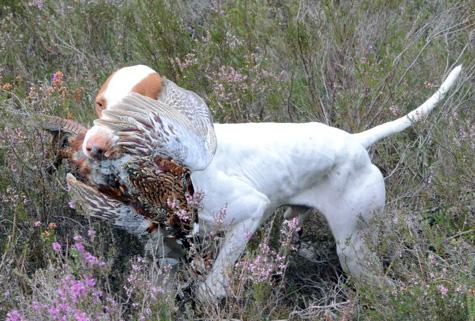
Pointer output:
x,y
150,86
101,102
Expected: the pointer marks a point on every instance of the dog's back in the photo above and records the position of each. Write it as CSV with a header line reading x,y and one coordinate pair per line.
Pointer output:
x,y
280,159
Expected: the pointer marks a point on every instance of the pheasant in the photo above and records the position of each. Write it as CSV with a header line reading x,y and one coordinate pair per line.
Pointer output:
x,y
144,183
144,196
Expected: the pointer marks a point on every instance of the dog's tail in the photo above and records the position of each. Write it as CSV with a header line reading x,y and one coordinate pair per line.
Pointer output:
x,y
371,136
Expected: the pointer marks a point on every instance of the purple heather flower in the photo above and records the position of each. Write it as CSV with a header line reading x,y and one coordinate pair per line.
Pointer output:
x,y
266,264
14,315
79,247
36,306
89,281
172,203
220,216
53,311
81,316
183,215
293,225
77,238
56,247
91,259
443,290
91,233
37,3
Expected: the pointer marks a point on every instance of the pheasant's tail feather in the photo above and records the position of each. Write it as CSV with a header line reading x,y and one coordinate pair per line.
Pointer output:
x,y
103,207
57,124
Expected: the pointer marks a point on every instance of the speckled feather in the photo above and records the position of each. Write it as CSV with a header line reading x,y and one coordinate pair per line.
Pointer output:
x,y
130,193
178,126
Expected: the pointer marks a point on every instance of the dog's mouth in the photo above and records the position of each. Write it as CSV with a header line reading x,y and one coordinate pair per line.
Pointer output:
x,y
113,153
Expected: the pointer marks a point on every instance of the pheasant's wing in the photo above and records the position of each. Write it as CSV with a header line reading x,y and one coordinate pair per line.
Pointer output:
x,y
101,206
157,183
178,125
193,107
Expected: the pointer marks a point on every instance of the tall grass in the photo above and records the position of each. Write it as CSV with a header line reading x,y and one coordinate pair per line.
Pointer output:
x,y
351,64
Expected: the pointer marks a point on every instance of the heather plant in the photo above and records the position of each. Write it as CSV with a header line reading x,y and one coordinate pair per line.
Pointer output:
x,y
350,64
263,269
67,288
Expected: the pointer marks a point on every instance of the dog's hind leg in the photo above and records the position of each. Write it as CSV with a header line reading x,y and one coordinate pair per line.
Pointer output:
x,y
349,218
348,203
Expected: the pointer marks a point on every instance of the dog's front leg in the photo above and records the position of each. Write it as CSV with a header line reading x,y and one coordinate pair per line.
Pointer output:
x,y
246,214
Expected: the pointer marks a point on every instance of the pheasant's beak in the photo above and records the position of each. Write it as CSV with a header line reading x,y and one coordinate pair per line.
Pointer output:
x,y
98,142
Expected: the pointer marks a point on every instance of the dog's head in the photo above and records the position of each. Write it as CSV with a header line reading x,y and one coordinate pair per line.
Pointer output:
x,y
138,79
141,114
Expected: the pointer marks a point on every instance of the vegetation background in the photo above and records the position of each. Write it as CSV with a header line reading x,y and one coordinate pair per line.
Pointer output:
x,y
350,64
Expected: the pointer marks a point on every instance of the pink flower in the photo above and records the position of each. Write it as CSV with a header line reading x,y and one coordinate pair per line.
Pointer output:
x,y
91,233
172,203
80,247
443,290
90,259
56,247
72,204
37,224
81,316
195,200
183,215
293,225
87,257
14,315
89,281
220,216
36,306
37,3
265,265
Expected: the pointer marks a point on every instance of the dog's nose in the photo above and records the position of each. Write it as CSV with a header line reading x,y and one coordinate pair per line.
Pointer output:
x,y
95,150
96,144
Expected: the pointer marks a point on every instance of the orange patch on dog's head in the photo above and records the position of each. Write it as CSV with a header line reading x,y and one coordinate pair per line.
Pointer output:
x,y
150,86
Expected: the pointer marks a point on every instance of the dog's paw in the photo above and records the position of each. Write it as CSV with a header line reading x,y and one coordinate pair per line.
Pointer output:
x,y
213,289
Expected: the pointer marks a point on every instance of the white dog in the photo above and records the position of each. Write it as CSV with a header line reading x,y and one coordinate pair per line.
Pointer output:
x,y
258,167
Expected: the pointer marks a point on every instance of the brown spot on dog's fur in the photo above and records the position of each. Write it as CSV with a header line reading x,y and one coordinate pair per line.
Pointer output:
x,y
150,86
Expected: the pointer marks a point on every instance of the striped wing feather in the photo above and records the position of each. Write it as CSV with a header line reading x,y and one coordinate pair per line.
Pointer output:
x,y
103,207
178,125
